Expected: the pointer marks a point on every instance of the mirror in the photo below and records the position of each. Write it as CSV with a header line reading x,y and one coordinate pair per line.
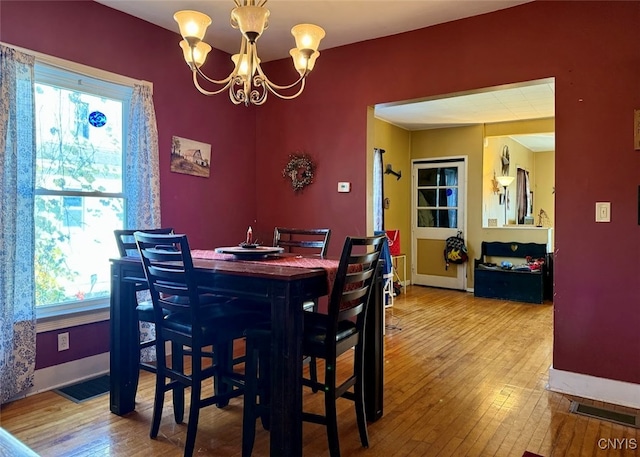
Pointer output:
x,y
527,198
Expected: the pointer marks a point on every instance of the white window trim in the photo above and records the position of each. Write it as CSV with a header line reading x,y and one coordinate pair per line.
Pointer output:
x,y
92,312
86,70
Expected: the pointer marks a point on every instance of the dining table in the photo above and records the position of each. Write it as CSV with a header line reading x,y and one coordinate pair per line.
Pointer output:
x,y
281,282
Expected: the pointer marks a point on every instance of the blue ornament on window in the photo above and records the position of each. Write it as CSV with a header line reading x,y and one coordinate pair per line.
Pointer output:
x,y
449,192
97,119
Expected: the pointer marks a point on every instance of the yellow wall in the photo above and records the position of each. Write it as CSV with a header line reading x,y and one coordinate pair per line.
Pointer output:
x,y
458,141
545,185
542,170
397,145
520,127
403,146
519,157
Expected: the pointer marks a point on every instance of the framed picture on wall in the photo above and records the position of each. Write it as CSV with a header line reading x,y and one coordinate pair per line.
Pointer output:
x,y
190,157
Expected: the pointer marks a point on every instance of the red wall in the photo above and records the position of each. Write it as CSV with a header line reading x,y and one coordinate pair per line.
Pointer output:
x,y
89,33
84,341
206,209
592,50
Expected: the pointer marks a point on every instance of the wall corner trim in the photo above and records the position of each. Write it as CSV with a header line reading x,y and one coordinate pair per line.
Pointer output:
x,y
601,389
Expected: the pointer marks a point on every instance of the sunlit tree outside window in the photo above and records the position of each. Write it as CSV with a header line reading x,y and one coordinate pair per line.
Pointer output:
x,y
80,195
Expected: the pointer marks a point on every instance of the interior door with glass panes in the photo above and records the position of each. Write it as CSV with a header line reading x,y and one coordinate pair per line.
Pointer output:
x,y
438,212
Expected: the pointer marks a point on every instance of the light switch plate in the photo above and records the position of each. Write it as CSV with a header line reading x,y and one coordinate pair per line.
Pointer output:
x,y
344,187
603,211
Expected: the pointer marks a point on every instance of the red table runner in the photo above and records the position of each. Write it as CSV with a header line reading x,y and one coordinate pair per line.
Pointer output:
x,y
330,266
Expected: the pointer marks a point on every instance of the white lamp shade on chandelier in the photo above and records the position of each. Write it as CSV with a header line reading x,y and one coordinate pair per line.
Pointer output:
x,y
247,83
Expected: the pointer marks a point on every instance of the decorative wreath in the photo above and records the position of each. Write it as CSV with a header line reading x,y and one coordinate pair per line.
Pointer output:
x,y
300,170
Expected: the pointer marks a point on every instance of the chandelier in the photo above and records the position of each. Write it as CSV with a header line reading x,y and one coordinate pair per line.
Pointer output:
x,y
247,83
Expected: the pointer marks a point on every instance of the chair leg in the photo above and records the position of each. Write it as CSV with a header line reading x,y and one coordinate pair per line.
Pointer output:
x,y
361,416
223,358
264,385
177,362
160,389
313,373
330,411
194,408
313,366
139,359
250,398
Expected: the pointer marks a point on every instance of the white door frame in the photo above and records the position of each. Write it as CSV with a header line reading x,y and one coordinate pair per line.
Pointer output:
x,y
460,282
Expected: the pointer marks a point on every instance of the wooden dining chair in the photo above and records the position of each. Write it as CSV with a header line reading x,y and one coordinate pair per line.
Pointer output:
x,y
144,309
314,241
303,241
188,317
325,336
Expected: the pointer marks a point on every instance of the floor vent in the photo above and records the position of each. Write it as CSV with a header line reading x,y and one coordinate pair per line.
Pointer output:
x,y
605,414
85,390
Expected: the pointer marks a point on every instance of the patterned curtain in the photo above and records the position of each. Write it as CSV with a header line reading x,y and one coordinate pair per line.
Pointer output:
x,y
451,180
142,162
378,190
143,182
522,195
17,176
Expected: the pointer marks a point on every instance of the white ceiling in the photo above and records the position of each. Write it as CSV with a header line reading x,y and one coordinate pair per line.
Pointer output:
x,y
530,100
345,21
542,142
351,21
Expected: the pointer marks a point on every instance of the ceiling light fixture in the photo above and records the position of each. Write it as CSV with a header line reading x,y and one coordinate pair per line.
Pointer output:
x,y
247,83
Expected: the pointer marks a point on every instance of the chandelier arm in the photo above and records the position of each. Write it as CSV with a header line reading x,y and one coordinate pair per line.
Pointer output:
x,y
286,97
234,99
268,82
257,98
205,77
206,92
224,81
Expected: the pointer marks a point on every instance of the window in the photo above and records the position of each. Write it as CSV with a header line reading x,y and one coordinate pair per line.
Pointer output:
x,y
80,191
438,197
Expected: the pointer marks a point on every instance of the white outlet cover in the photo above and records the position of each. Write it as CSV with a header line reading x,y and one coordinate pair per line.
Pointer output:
x,y
63,341
344,187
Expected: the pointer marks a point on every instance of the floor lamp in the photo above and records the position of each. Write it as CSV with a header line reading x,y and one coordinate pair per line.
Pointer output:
x,y
505,181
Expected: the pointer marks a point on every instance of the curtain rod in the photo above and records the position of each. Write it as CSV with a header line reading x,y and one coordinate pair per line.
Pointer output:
x,y
85,70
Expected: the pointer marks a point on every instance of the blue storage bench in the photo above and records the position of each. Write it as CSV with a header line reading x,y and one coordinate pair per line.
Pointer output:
x,y
517,284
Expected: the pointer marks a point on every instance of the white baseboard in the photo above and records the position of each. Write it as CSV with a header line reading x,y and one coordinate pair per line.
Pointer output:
x,y
67,373
601,389
70,373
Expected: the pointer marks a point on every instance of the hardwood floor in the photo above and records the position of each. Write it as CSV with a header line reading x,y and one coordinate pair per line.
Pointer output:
x,y
463,377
